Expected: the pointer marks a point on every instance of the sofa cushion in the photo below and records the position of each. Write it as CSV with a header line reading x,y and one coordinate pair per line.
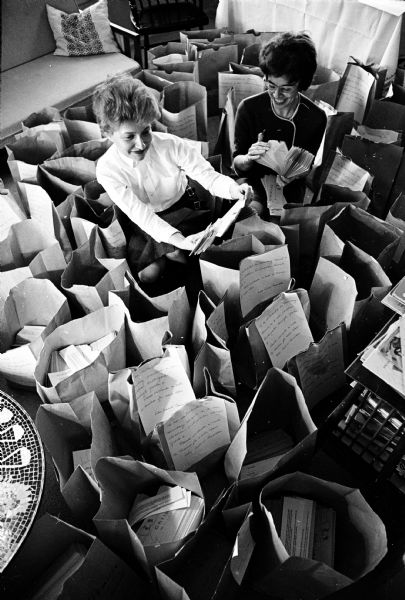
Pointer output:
x,y
82,33
58,81
25,31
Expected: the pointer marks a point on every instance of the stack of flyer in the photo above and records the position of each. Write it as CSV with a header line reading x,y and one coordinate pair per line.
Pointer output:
x,y
306,528
289,163
164,520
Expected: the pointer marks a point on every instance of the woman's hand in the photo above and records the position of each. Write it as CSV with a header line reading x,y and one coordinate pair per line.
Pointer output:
x,y
185,243
257,150
242,192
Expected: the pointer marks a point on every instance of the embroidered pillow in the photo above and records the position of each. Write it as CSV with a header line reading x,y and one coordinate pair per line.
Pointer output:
x,y
84,33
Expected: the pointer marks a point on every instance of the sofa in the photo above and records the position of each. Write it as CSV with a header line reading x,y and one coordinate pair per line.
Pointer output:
x,y
33,77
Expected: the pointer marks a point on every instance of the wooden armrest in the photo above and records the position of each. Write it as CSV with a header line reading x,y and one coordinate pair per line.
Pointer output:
x,y
128,41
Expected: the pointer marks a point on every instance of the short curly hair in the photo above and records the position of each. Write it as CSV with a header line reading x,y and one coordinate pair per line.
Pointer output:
x,y
123,98
291,55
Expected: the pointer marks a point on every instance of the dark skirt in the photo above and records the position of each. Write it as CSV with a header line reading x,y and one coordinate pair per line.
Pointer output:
x,y
142,249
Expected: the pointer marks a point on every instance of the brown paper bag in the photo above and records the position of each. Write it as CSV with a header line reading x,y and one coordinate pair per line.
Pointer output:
x,y
266,413
102,573
90,274
396,213
120,480
47,119
30,302
62,176
28,151
92,150
324,86
213,59
94,377
184,110
66,428
24,241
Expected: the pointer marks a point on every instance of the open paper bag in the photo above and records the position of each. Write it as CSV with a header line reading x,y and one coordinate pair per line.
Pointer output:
x,y
260,560
32,302
90,274
47,119
24,241
30,150
99,574
121,479
324,86
184,110
61,176
76,435
277,404
93,377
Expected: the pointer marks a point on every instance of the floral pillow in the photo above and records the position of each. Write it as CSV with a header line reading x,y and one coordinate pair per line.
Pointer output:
x,y
84,33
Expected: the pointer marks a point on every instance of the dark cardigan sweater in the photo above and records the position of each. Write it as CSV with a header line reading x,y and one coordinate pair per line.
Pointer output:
x,y
305,130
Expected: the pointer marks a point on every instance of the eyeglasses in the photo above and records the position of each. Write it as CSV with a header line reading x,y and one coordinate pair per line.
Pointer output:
x,y
285,90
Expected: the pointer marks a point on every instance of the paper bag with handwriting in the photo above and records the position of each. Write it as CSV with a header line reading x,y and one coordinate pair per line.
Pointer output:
x,y
121,479
108,321
32,310
23,242
320,368
184,110
28,151
277,405
382,161
62,176
332,294
76,435
357,91
366,231
341,170
253,349
209,350
90,274
244,85
99,574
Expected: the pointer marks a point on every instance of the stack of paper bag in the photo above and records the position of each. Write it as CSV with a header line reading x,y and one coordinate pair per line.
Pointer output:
x,y
77,434
31,304
121,479
93,377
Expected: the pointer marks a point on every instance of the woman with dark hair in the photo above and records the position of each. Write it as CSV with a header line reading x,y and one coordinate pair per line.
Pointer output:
x,y
280,113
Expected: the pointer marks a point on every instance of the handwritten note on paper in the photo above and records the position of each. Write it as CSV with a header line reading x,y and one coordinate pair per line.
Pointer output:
x,y
161,387
195,431
244,86
354,95
284,329
346,173
321,367
183,123
274,194
263,276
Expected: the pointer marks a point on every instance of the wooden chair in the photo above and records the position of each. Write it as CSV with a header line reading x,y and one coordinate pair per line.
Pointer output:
x,y
160,16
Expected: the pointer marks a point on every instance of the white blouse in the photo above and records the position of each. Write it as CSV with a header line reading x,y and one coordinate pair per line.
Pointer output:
x,y
141,189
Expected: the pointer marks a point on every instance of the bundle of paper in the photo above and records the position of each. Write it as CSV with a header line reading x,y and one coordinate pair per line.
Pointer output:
x,y
218,228
28,334
163,533
385,357
167,498
264,450
73,358
306,528
295,162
